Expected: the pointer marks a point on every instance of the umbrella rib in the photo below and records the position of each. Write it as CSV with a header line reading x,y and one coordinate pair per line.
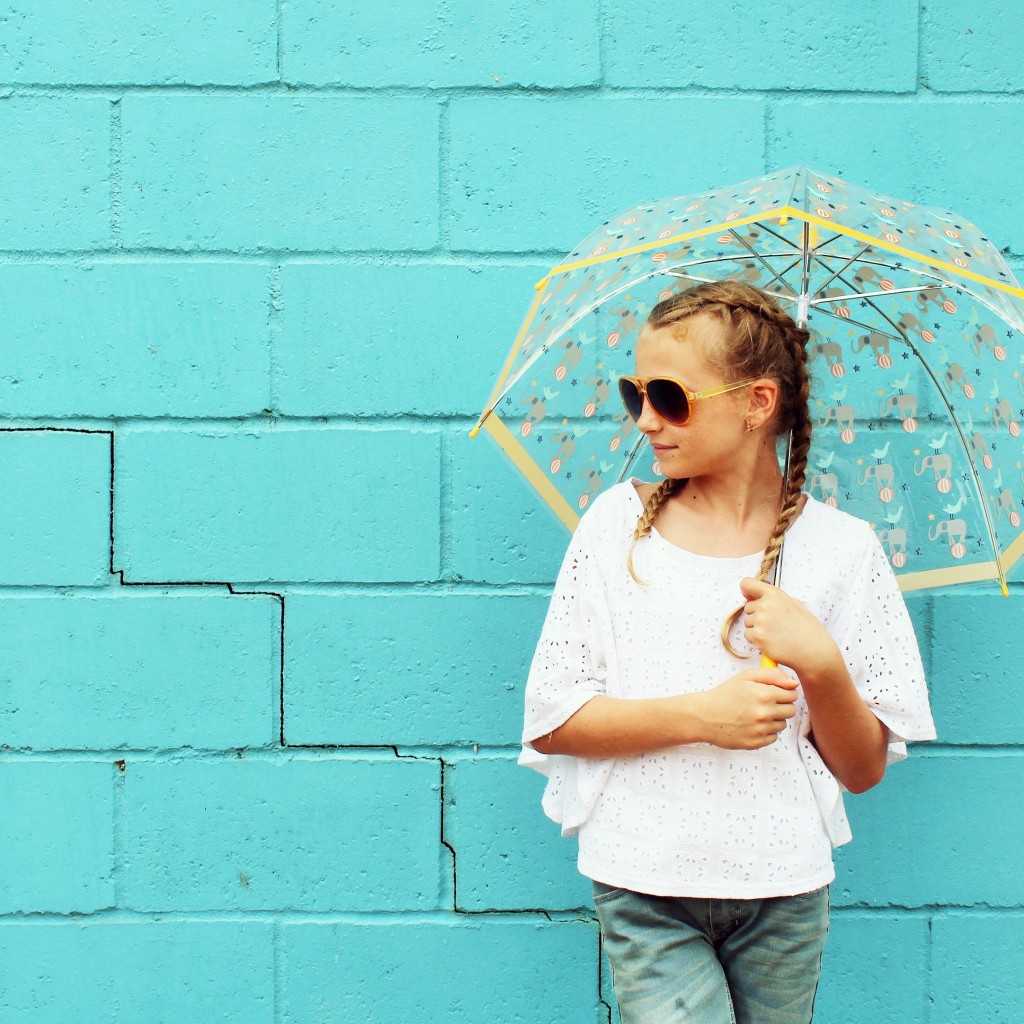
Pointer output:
x,y
631,459
821,262
859,323
881,291
761,259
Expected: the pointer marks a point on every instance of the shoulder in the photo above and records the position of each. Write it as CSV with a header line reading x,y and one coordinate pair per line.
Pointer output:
x,y
822,523
615,504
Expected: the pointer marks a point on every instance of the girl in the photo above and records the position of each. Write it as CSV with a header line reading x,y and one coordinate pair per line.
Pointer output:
x,y
705,789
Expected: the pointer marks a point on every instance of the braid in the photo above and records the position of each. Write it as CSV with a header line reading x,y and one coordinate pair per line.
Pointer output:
x,y
764,341
645,521
800,444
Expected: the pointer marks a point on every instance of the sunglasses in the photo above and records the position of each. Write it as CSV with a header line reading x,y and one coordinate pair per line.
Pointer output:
x,y
671,399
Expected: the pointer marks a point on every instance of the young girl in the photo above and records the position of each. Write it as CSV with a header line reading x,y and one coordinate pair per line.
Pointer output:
x,y
705,789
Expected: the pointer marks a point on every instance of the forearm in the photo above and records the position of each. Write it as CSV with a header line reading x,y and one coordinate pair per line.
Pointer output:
x,y
747,711
611,727
850,739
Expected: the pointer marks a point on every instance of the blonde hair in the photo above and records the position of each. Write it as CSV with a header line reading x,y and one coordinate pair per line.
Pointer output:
x,y
762,340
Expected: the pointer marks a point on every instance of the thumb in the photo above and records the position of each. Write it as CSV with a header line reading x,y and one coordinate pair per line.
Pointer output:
x,y
752,589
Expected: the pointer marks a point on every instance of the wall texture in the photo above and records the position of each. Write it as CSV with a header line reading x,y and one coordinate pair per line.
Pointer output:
x,y
266,611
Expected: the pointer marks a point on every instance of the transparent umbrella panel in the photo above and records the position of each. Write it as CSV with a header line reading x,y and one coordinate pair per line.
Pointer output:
x,y
917,392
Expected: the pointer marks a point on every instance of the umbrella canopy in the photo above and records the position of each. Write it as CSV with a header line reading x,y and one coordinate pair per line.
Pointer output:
x,y
916,359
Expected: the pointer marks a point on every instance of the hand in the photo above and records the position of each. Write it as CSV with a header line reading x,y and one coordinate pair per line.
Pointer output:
x,y
784,629
749,710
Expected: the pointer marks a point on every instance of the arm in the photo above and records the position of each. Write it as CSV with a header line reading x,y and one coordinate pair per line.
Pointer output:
x,y
745,712
850,739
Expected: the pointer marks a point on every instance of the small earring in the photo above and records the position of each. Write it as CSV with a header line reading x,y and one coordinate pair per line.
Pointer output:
x,y
749,425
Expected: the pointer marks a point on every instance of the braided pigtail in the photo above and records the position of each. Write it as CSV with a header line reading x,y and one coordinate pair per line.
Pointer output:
x,y
800,445
645,521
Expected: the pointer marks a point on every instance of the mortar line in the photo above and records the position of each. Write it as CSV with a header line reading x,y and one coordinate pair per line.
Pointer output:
x,y
920,80
769,135
277,961
117,831
116,175
929,969
444,169
279,26
602,43
447,514
275,330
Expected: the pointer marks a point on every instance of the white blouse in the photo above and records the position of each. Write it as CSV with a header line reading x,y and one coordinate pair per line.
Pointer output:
x,y
699,820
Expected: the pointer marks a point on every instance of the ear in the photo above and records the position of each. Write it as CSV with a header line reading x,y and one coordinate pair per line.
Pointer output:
x,y
762,401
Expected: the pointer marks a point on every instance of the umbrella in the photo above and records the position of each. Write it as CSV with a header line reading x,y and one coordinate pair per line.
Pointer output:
x,y
916,359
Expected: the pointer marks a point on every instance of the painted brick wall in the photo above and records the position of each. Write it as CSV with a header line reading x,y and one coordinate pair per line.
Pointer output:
x,y
266,611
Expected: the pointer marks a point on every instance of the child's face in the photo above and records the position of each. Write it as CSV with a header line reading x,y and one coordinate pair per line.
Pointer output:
x,y
707,442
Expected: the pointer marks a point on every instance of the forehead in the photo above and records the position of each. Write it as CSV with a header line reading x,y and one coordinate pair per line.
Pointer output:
x,y
686,349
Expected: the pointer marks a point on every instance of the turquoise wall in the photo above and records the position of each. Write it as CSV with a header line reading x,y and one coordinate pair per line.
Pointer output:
x,y
266,611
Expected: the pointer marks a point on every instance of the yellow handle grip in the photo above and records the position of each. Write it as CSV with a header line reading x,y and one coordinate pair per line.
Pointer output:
x,y
767,662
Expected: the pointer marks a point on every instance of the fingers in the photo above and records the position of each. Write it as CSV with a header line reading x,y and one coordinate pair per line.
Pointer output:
x,y
752,589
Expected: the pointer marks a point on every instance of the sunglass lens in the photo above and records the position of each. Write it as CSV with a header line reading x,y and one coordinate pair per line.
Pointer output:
x,y
669,400
631,397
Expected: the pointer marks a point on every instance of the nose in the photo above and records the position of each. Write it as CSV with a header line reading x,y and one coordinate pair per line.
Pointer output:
x,y
649,421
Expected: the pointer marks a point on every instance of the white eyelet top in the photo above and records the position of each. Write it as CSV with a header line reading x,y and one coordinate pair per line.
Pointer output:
x,y
699,820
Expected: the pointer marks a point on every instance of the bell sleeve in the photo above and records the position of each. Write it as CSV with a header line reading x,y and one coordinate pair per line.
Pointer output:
x,y
569,668
876,637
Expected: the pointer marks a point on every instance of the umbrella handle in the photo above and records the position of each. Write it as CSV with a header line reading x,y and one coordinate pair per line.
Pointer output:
x,y
767,662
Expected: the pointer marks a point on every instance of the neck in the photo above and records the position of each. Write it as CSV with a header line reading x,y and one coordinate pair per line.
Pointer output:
x,y
750,492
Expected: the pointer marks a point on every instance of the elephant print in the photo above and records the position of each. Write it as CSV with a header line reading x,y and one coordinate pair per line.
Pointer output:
x,y
941,466
956,376
954,532
909,324
593,483
937,297
905,406
831,352
571,359
601,392
826,487
985,338
894,540
879,345
1002,413
538,409
1005,505
566,449
626,427
628,323
883,475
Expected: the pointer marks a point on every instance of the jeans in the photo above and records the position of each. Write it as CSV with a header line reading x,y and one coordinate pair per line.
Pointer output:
x,y
677,960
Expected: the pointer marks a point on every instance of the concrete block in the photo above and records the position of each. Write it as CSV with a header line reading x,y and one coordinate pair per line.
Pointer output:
x,y
939,831
296,505
976,672
157,972
56,838
281,172
136,671
875,970
464,972
972,46
978,961
47,41
441,44
378,340
869,46
543,173
55,191
56,523
508,855
955,154
143,339
407,669
309,835
502,530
